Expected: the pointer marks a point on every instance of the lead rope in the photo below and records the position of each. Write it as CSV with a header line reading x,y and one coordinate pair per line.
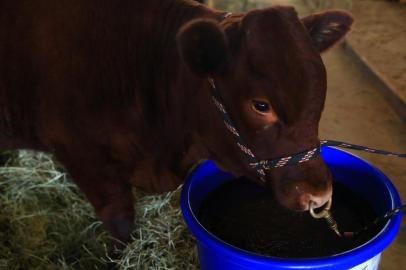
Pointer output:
x,y
326,214
387,216
261,166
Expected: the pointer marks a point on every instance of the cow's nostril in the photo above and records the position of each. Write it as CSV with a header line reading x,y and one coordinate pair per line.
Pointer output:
x,y
316,201
304,201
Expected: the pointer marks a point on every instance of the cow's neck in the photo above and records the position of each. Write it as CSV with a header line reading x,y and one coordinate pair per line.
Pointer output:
x,y
171,93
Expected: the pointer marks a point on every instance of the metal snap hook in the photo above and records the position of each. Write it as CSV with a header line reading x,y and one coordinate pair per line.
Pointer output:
x,y
323,213
326,214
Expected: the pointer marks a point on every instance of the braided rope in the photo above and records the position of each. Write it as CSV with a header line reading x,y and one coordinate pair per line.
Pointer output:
x,y
261,166
360,148
221,108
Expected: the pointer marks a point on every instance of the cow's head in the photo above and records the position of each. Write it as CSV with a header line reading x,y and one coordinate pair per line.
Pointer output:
x,y
267,66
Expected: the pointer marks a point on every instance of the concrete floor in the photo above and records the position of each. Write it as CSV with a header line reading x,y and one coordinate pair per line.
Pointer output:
x,y
383,32
355,112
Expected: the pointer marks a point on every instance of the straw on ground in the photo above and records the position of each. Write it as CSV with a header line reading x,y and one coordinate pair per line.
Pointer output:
x,y
46,223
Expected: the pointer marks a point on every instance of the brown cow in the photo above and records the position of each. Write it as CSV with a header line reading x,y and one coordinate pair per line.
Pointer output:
x,y
118,91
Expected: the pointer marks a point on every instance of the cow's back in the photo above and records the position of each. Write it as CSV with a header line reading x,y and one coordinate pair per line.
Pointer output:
x,y
80,73
18,78
64,67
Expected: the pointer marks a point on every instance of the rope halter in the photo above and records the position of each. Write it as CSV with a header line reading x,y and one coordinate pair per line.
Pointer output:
x,y
261,166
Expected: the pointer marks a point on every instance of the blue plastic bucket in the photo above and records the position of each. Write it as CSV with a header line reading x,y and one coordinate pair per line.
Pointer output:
x,y
361,177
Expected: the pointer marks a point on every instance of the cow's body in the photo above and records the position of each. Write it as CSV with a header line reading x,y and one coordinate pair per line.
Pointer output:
x,y
97,74
102,85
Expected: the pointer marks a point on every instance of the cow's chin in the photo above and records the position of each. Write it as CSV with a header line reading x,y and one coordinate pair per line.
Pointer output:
x,y
238,172
253,177
225,166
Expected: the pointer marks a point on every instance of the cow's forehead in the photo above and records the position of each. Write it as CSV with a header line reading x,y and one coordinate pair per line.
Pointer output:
x,y
277,47
275,39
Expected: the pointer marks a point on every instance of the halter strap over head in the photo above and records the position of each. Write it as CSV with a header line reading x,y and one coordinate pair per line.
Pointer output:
x,y
261,166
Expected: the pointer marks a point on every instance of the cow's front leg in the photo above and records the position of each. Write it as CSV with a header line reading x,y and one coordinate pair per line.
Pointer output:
x,y
114,205
110,193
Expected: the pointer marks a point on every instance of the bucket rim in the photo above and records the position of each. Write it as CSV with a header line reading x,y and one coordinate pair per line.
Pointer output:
x,y
345,259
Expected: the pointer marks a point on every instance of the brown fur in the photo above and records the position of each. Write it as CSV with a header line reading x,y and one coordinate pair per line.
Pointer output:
x,y
103,86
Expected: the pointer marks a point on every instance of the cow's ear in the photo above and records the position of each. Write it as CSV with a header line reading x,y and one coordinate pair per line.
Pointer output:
x,y
202,46
327,28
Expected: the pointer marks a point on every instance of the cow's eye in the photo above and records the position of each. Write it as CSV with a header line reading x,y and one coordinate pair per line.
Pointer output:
x,y
261,106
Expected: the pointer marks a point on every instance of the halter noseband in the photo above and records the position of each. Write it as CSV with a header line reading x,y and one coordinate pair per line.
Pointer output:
x,y
261,166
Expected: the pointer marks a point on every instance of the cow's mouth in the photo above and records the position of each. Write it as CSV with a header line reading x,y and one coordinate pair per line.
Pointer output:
x,y
297,197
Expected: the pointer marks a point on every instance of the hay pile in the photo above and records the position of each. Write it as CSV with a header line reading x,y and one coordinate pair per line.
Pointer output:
x,y
45,223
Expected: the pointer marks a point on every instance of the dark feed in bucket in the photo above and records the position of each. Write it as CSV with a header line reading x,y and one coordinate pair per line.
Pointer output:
x,y
247,216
